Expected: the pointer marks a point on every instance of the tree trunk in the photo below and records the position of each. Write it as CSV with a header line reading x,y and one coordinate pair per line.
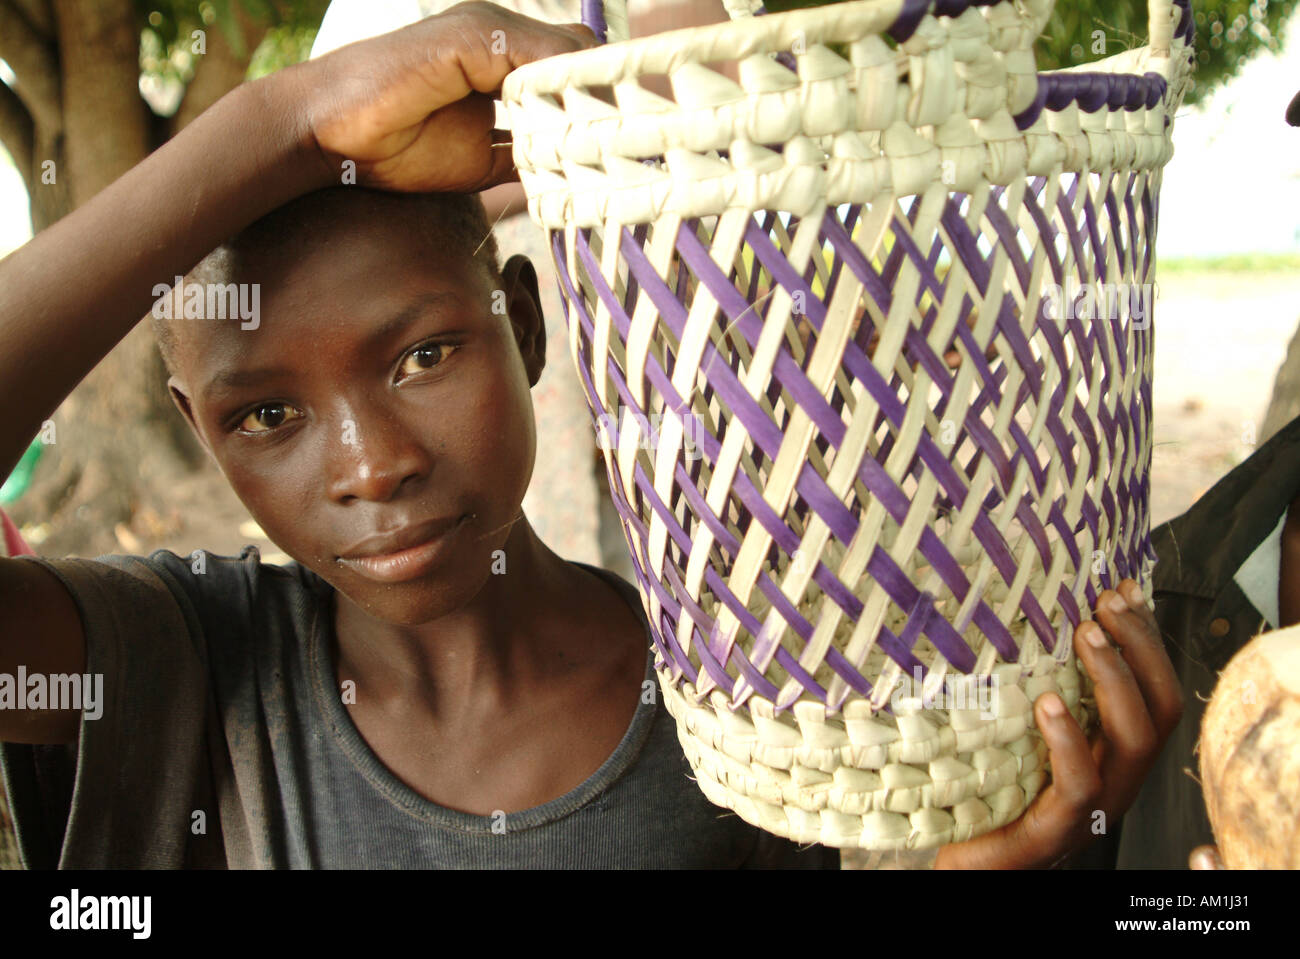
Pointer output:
x,y
119,443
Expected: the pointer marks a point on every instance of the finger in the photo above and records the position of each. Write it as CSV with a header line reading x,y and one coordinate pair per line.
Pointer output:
x,y
457,154
1056,822
1132,742
1137,602
1132,626
1077,781
474,46
525,40
503,159
582,32
1205,857
461,141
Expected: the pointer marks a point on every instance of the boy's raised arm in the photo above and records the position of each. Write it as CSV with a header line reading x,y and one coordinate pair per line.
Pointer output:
x,y
68,296
412,110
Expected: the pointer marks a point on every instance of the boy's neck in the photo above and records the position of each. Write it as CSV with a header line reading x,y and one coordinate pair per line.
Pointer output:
x,y
492,646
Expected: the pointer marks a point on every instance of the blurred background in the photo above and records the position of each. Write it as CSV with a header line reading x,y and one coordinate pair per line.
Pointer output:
x,y
89,87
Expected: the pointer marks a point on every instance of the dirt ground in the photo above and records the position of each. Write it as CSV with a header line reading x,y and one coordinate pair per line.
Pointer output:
x,y
1220,338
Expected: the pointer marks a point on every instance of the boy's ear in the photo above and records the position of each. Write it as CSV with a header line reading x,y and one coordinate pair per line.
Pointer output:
x,y
183,404
524,304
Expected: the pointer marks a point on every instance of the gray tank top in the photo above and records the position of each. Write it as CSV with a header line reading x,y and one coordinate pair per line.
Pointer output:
x,y
222,700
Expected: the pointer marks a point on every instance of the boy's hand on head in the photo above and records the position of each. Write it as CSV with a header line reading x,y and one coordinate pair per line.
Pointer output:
x,y
413,108
1093,783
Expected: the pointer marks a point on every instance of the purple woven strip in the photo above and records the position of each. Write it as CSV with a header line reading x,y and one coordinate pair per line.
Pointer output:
x,y
1008,233
1138,268
1047,231
1111,205
1064,203
1094,234
593,16
917,617
909,18
1150,211
1186,27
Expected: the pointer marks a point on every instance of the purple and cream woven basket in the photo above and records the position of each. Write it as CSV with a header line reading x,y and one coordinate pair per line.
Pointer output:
x,y
866,334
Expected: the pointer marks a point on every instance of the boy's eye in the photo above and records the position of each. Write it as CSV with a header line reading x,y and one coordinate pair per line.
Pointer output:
x,y
425,358
268,416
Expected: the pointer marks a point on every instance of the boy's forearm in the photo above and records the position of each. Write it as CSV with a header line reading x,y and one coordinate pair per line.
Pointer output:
x,y
68,296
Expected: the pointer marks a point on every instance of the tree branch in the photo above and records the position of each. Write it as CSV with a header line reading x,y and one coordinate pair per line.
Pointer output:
x,y
17,133
35,63
218,71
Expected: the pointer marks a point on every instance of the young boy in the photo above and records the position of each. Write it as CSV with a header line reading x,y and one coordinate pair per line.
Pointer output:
x,y
427,684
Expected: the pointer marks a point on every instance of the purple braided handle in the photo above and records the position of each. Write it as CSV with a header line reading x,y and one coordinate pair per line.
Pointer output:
x,y
593,16
1055,91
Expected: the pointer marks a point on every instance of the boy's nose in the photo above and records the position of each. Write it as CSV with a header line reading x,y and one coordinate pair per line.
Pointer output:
x,y
372,460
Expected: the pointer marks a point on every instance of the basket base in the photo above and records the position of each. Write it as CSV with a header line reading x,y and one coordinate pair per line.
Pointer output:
x,y
811,781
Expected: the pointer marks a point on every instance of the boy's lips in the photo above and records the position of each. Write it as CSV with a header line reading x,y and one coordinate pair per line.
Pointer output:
x,y
404,553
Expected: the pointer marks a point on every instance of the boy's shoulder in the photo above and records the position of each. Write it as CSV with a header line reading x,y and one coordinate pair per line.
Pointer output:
x,y
208,569
235,582
182,647
215,601
196,574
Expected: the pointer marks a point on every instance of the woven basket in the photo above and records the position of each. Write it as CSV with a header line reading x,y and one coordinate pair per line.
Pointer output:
x,y
871,468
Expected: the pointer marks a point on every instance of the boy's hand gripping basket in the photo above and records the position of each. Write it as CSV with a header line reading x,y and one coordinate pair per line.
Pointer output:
x,y
867,338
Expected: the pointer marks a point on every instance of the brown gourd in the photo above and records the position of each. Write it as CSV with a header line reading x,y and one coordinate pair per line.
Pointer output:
x,y
1250,755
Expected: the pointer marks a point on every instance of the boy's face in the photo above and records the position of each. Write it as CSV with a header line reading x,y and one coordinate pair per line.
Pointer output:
x,y
377,423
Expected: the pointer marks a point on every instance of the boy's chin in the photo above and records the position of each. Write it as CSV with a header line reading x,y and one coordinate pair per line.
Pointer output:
x,y
417,601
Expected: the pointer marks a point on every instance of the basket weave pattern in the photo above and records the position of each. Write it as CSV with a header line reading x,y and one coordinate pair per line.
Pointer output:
x,y
855,445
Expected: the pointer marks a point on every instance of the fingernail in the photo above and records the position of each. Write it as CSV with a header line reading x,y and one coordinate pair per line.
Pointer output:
x,y
1053,706
1093,636
1116,604
1134,594
1205,857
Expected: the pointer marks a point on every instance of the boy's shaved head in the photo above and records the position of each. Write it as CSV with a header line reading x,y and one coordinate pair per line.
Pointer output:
x,y
452,224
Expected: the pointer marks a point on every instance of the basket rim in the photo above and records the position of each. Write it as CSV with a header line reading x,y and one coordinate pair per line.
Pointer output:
x,y
853,20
